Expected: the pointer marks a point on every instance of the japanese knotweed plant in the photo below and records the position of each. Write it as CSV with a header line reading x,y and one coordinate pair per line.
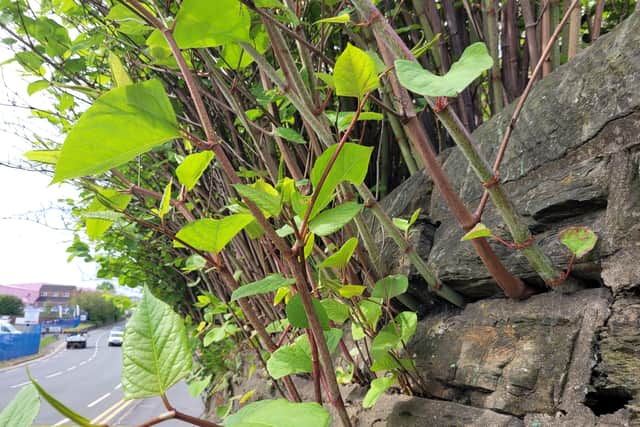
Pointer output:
x,y
134,118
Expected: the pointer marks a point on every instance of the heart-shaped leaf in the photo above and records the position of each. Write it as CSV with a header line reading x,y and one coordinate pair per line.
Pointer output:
x,y
579,240
474,61
212,234
355,73
120,125
377,389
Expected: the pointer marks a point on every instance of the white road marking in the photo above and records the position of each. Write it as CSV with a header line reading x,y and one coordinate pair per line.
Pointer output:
x,y
116,387
54,374
83,362
71,368
21,384
59,423
98,400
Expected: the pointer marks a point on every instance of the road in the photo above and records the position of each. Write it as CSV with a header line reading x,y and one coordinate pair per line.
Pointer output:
x,y
88,381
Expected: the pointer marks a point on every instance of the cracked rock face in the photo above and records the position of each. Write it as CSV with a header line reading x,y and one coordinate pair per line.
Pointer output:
x,y
513,357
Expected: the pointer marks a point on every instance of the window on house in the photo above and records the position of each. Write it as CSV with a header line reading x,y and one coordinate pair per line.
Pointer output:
x,y
66,294
55,294
44,294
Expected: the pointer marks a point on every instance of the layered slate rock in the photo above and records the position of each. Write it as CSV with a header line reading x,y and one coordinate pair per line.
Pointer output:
x,y
514,357
405,411
617,376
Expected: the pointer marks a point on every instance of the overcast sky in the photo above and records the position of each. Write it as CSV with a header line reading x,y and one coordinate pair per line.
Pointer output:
x,y
30,251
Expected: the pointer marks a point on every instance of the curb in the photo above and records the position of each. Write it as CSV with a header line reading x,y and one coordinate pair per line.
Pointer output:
x,y
36,357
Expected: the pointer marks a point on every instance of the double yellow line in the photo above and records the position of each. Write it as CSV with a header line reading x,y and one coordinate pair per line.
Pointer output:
x,y
111,412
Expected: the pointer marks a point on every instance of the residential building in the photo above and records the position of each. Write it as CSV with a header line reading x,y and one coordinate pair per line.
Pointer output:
x,y
38,294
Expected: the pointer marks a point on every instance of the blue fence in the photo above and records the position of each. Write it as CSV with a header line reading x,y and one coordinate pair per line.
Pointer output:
x,y
19,345
63,323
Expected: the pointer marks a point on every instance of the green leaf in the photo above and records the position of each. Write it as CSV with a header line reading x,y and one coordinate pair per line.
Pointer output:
x,y
22,410
160,50
377,389
287,360
196,387
336,310
332,220
30,61
118,72
277,326
155,350
285,230
49,157
194,262
263,197
414,216
343,18
192,168
127,21
343,118
165,202
387,339
290,135
269,284
343,377
121,124
212,234
59,406
308,246
401,223
235,56
341,258
355,73
298,317
37,86
390,286
579,240
296,357
282,294
106,200
198,25
280,413
351,164
214,335
478,231
474,61
350,291
371,310
408,322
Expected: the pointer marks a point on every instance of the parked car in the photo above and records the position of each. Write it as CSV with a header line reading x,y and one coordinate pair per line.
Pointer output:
x,y
76,340
8,328
115,337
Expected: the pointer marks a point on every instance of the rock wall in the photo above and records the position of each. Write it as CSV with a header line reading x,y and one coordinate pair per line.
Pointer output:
x,y
552,360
